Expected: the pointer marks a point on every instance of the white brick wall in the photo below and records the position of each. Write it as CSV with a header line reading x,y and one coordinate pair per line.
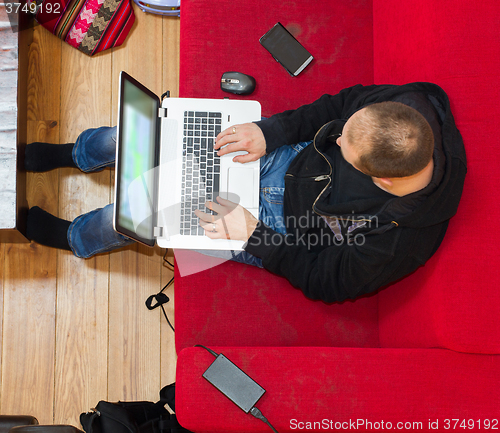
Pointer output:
x,y
8,120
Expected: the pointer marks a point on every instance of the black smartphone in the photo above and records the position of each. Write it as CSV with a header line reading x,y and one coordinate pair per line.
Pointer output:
x,y
286,49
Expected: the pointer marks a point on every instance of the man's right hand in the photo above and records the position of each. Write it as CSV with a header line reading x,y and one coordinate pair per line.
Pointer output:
x,y
247,137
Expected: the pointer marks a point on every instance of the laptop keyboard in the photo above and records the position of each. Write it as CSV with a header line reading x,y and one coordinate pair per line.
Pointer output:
x,y
201,167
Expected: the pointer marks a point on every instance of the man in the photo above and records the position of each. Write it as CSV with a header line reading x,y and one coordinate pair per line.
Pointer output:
x,y
362,200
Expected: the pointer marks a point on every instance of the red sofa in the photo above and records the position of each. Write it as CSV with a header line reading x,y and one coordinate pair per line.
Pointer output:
x,y
421,353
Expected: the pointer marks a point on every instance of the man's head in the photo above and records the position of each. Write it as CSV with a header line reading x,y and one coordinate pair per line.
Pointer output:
x,y
387,140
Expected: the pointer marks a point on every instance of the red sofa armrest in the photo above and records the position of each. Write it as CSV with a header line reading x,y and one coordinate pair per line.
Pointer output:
x,y
313,388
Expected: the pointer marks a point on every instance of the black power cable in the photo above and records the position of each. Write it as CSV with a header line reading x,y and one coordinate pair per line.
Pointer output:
x,y
258,414
161,298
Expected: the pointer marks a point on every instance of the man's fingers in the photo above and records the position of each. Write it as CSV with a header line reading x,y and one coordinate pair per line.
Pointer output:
x,y
215,229
222,201
242,145
229,135
222,141
205,224
227,149
225,206
208,226
242,159
203,216
227,131
219,208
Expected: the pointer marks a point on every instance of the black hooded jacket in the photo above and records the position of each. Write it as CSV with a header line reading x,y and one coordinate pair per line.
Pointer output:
x,y
347,249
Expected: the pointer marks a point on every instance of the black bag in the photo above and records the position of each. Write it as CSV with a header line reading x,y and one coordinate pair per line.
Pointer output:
x,y
134,417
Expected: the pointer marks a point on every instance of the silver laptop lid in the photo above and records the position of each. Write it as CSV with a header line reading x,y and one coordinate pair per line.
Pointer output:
x,y
137,153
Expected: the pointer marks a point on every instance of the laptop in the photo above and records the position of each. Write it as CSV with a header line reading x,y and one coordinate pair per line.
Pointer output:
x,y
166,166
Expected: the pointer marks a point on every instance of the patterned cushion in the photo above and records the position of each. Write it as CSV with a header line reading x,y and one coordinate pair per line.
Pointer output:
x,y
91,26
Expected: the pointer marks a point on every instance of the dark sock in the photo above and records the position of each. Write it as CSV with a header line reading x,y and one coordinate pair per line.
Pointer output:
x,y
46,229
45,156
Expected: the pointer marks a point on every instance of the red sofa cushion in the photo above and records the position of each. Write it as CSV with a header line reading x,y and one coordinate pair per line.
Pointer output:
x,y
344,385
233,304
218,39
454,301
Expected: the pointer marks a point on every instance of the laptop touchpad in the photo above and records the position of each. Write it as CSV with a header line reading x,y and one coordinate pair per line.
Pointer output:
x,y
240,182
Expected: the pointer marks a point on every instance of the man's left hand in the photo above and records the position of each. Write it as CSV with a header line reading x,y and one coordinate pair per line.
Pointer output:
x,y
231,222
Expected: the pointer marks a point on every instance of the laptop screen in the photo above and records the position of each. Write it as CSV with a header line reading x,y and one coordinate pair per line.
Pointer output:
x,y
136,159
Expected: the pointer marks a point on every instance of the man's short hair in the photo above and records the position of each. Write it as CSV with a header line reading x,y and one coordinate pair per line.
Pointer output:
x,y
392,140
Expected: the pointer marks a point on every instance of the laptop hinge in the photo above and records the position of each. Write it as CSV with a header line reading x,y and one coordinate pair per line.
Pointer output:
x,y
162,112
158,232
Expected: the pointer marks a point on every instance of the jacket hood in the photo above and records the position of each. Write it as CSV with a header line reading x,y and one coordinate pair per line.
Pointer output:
x,y
437,202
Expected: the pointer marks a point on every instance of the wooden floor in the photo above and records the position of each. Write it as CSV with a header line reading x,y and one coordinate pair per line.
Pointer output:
x,y
77,331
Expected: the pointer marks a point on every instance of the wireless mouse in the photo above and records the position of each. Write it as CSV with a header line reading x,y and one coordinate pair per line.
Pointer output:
x,y
238,83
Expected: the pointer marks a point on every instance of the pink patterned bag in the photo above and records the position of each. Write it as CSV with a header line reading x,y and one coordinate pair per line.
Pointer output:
x,y
90,26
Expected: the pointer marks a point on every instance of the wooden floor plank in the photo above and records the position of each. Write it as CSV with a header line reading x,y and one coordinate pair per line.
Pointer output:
x,y
168,354
28,334
141,56
134,346
42,189
82,297
135,273
44,88
30,278
171,37
44,98
2,280
81,338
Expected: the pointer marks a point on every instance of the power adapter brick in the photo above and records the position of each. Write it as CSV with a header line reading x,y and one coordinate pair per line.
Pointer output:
x,y
236,385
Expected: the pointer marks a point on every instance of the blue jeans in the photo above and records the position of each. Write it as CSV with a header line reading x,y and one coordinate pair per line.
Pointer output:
x,y
92,233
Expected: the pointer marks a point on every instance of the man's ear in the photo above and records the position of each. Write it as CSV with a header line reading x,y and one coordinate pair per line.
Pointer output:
x,y
385,181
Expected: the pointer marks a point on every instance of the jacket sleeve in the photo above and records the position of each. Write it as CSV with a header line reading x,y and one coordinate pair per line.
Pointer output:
x,y
334,274
294,126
